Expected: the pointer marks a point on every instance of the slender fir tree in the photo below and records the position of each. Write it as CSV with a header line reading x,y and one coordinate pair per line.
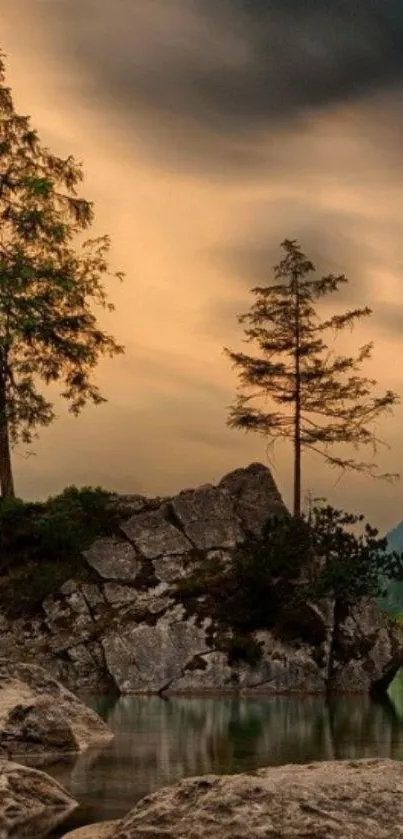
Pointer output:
x,y
305,392
48,330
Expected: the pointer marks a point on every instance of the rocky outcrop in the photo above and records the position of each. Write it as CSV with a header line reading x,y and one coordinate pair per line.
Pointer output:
x,y
123,625
112,560
31,803
366,650
255,496
326,800
40,719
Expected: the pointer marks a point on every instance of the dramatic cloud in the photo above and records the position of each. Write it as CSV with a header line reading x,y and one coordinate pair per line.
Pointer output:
x,y
210,130
231,66
204,82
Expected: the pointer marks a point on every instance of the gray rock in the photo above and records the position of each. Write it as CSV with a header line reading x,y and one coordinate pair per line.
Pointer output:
x,y
156,600
207,673
113,559
284,668
35,727
147,659
330,800
82,658
169,569
154,536
255,495
159,605
31,803
366,650
57,611
134,503
100,830
68,618
39,716
143,603
115,593
93,595
208,518
75,599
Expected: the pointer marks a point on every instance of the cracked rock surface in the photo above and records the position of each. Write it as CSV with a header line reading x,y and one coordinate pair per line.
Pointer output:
x,y
330,800
31,803
40,719
123,629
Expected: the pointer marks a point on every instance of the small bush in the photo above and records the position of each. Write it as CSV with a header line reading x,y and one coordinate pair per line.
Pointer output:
x,y
352,564
41,543
272,579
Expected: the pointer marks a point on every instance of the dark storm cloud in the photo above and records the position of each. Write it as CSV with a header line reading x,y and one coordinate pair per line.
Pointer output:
x,y
330,238
335,249
334,243
219,87
233,65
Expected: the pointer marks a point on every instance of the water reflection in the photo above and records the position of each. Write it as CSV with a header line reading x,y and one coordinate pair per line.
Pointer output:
x,y
161,741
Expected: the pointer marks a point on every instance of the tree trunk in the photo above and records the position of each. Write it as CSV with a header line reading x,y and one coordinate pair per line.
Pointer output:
x,y
297,465
297,415
6,473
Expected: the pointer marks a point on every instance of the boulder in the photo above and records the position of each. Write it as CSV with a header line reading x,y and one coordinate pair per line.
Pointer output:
x,y
41,718
99,830
367,649
113,559
150,658
208,518
255,496
153,535
330,800
31,803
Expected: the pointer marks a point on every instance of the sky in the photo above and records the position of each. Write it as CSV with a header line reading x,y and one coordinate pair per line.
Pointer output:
x,y
209,131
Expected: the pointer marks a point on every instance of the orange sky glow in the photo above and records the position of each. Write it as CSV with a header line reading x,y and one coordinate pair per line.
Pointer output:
x,y
196,202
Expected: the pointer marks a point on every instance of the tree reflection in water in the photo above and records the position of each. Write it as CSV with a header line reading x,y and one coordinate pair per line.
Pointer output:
x,y
161,741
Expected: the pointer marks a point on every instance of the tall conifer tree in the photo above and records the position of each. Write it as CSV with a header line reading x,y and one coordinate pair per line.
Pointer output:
x,y
305,392
48,330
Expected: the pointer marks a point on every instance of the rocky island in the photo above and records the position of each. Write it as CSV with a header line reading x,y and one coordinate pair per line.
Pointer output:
x,y
137,612
125,621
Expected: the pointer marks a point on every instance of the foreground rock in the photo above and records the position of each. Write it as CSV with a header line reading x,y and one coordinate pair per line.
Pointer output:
x,y
125,625
334,800
31,803
100,830
39,717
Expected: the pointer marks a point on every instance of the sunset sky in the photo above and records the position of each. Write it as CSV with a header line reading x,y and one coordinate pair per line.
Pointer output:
x,y
209,131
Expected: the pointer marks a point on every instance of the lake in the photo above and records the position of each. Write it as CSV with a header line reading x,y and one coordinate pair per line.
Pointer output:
x,y
160,741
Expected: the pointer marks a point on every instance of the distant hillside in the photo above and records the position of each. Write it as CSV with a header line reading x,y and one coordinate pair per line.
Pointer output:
x,y
393,602
395,538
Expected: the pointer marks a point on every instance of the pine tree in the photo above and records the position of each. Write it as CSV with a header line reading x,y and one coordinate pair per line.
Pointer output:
x,y
48,330
316,398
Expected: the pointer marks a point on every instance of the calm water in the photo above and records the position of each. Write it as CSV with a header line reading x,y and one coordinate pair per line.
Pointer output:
x,y
161,741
